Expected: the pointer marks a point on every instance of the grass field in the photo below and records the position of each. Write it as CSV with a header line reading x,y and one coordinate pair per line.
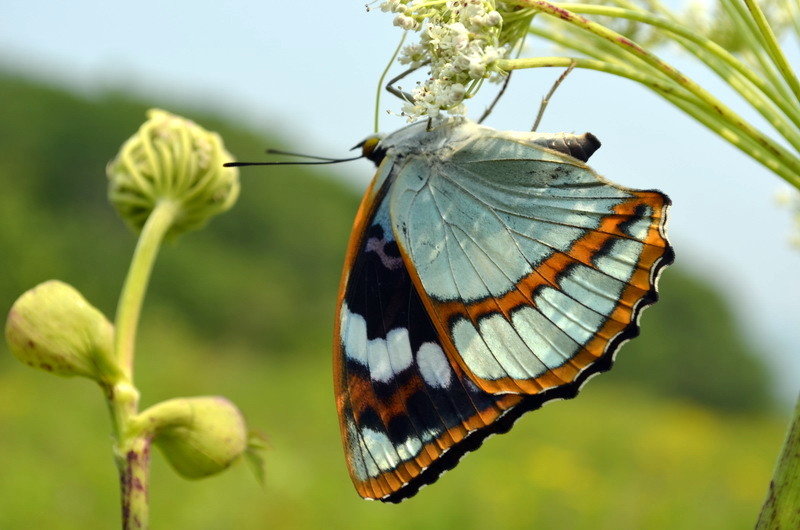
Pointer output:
x,y
615,458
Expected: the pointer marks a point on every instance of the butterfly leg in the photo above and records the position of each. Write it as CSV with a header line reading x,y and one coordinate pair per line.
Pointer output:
x,y
396,91
546,98
490,108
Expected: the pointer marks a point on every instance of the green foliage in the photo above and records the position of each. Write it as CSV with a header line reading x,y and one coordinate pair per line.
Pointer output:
x,y
247,305
692,348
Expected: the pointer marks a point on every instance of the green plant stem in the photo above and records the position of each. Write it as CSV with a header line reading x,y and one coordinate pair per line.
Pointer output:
x,y
591,64
135,286
780,509
771,154
376,125
750,85
134,481
756,147
131,449
755,44
773,48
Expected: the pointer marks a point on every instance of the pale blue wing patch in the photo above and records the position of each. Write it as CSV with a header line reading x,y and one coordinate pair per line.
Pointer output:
x,y
476,224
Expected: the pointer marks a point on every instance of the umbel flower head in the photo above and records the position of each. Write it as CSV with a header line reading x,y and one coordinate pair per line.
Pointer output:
x,y
461,40
171,158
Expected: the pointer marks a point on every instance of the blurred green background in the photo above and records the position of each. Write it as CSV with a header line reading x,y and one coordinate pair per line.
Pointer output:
x,y
683,433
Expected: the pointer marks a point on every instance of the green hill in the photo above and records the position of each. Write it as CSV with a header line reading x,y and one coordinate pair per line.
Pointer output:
x,y
679,432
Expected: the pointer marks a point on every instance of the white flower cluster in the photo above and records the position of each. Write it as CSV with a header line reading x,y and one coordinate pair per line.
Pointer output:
x,y
460,40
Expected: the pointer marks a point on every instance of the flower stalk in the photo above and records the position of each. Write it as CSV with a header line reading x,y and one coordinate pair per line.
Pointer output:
x,y
783,497
168,178
133,451
135,286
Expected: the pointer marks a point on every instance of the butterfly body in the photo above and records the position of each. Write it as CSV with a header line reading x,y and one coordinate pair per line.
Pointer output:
x,y
488,272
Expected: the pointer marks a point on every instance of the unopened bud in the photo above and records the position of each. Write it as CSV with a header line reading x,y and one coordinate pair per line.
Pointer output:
x,y
172,158
199,436
54,328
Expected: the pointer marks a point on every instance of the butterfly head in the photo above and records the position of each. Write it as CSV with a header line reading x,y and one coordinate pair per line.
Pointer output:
x,y
371,148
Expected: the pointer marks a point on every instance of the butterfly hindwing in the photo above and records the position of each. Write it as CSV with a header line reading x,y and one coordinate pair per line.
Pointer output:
x,y
405,410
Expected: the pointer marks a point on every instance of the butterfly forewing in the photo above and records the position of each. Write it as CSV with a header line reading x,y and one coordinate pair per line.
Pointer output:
x,y
530,264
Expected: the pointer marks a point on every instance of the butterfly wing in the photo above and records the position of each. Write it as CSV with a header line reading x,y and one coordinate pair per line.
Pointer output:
x,y
406,413
531,266
546,268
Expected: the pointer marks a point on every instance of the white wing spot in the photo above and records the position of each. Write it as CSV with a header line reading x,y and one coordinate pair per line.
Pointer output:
x,y
380,367
434,366
399,349
353,330
381,449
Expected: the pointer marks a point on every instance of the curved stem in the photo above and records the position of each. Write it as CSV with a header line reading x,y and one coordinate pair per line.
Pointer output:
x,y
737,132
712,54
131,450
376,125
612,68
135,286
787,164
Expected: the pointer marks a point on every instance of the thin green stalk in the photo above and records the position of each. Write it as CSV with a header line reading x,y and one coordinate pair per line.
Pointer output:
x,y
602,66
135,286
131,451
379,91
564,40
753,146
716,57
780,509
765,106
755,45
773,48
787,161
757,146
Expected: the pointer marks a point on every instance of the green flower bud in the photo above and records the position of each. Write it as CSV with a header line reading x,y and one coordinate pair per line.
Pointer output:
x,y
199,436
172,158
54,328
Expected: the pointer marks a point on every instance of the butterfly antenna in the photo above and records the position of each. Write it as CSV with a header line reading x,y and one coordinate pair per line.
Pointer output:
x,y
316,160
301,155
546,98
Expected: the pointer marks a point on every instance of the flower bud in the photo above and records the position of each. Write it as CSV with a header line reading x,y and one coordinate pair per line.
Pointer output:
x,y
54,328
199,436
172,158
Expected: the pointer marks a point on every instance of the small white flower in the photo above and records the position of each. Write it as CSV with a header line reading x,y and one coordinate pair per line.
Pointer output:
x,y
414,55
461,41
493,18
405,22
392,6
477,68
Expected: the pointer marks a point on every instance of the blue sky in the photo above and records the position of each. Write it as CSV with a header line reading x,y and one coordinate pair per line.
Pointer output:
x,y
308,71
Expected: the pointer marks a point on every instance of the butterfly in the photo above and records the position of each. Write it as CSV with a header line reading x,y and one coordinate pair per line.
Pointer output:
x,y
487,273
